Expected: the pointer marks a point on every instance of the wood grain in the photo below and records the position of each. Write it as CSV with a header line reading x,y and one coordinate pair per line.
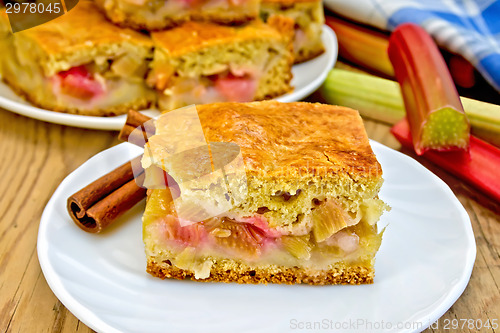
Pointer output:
x,y
36,156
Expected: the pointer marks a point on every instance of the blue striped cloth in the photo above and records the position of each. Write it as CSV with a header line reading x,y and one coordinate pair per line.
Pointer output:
x,y
470,28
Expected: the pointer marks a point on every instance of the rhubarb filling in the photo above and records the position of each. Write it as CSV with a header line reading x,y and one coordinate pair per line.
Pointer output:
x,y
335,236
102,83
225,86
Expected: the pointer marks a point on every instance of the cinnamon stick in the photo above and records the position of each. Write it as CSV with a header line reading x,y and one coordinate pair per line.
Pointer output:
x,y
97,205
132,133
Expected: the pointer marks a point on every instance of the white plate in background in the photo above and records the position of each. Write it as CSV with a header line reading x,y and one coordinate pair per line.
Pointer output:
x,y
307,77
423,266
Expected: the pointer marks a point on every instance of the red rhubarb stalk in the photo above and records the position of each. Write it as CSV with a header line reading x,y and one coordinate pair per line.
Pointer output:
x,y
362,46
433,108
479,167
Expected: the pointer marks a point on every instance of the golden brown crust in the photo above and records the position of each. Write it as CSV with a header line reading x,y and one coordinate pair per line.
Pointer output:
x,y
290,139
139,24
193,36
84,27
356,274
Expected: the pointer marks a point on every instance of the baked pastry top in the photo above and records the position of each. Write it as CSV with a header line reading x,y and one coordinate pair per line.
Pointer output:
x,y
193,36
83,27
285,139
293,137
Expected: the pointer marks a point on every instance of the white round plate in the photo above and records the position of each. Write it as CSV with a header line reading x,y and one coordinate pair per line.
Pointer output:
x,y
423,266
307,77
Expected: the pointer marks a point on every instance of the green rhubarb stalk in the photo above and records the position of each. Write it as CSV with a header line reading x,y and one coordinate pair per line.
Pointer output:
x,y
433,108
484,119
373,97
380,99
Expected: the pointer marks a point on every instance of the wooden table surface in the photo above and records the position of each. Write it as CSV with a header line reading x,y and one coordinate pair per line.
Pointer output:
x,y
36,156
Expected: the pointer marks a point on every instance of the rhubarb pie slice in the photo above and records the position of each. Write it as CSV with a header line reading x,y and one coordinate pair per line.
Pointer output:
x,y
79,63
309,18
200,63
307,212
161,14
